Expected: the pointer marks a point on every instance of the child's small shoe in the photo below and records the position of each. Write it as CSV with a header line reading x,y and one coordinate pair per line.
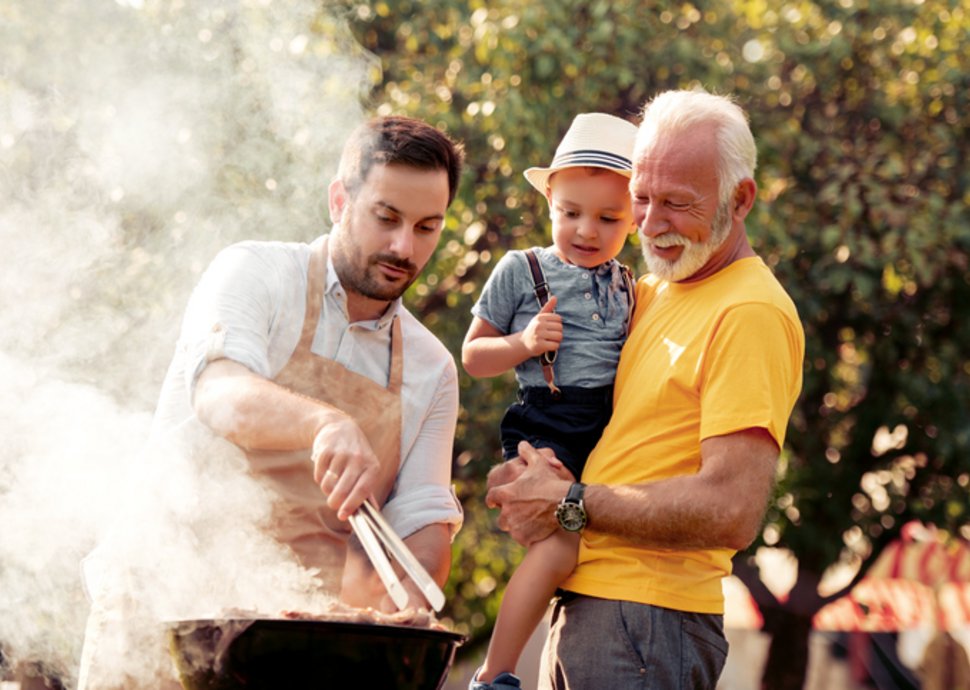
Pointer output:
x,y
503,681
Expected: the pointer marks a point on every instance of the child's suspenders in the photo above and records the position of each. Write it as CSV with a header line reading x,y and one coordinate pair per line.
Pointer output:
x,y
541,290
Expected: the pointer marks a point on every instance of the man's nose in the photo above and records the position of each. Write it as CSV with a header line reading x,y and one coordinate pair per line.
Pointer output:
x,y
650,222
402,243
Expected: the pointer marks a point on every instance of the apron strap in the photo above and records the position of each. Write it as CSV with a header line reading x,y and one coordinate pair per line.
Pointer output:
x,y
396,375
316,281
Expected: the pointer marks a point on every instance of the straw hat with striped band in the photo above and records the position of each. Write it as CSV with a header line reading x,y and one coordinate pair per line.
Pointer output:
x,y
594,140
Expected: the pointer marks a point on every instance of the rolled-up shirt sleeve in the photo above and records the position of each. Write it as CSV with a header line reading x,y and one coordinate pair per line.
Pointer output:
x,y
230,313
423,494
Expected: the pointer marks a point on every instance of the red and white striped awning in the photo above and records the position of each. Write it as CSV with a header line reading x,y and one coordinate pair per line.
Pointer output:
x,y
921,579
889,605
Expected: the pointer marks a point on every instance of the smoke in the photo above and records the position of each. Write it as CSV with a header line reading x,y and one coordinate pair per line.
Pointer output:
x,y
137,138
57,495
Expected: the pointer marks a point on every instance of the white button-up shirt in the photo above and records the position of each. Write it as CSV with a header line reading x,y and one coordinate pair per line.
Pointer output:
x,y
249,307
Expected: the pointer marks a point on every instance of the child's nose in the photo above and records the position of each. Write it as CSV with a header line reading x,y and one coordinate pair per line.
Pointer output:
x,y
588,227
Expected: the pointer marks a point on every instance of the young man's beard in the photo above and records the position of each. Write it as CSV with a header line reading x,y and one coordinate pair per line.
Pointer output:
x,y
695,254
361,275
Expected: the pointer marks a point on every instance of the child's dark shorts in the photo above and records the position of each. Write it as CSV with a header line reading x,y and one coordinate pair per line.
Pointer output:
x,y
570,424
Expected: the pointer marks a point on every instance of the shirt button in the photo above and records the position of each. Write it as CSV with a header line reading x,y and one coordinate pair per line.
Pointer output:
x,y
596,317
586,275
588,295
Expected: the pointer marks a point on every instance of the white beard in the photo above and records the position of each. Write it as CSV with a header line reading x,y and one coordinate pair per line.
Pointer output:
x,y
694,256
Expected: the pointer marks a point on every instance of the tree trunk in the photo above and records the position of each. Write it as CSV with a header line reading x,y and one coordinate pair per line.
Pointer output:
x,y
787,663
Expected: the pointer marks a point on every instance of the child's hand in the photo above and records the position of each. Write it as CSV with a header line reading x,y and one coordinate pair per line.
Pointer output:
x,y
544,332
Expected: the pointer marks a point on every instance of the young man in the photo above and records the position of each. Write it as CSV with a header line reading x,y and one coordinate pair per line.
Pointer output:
x,y
303,356
706,381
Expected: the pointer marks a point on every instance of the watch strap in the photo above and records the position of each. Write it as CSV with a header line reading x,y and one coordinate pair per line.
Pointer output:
x,y
576,492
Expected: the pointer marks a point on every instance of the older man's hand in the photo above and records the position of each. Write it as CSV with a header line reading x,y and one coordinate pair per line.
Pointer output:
x,y
503,473
527,491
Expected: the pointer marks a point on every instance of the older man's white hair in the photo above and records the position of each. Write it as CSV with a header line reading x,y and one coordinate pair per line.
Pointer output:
x,y
677,112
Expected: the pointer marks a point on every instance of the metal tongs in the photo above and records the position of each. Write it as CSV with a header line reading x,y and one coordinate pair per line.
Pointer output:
x,y
378,539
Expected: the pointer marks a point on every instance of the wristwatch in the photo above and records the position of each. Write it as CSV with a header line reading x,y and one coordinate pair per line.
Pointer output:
x,y
571,513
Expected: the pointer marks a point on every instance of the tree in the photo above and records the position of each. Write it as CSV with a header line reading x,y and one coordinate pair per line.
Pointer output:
x,y
867,172
859,109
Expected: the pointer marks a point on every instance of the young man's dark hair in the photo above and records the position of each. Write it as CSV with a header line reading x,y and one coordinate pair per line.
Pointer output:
x,y
403,141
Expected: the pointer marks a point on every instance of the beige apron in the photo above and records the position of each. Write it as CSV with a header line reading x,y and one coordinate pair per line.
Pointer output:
x,y
301,518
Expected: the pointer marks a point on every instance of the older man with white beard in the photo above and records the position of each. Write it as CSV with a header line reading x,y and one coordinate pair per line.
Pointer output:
x,y
706,382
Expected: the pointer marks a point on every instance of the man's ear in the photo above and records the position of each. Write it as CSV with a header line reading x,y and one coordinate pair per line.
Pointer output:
x,y
744,196
337,198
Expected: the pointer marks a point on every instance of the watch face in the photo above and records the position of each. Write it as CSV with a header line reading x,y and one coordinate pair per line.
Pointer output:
x,y
571,516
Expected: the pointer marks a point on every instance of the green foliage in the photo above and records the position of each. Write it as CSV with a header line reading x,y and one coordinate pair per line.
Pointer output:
x,y
859,108
870,196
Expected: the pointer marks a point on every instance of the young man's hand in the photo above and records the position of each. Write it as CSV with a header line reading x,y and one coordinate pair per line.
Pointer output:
x,y
344,465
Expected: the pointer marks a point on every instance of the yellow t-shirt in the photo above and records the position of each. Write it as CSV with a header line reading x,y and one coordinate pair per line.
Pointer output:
x,y
703,359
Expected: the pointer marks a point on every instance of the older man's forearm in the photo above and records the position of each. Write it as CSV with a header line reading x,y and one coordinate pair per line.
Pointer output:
x,y
722,506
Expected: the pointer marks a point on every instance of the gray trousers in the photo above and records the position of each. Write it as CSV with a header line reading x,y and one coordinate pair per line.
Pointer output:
x,y
598,644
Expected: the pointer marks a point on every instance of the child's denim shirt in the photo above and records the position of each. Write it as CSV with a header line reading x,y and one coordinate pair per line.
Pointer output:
x,y
594,305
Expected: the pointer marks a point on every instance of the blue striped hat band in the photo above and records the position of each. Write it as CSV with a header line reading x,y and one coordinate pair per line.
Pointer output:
x,y
592,157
